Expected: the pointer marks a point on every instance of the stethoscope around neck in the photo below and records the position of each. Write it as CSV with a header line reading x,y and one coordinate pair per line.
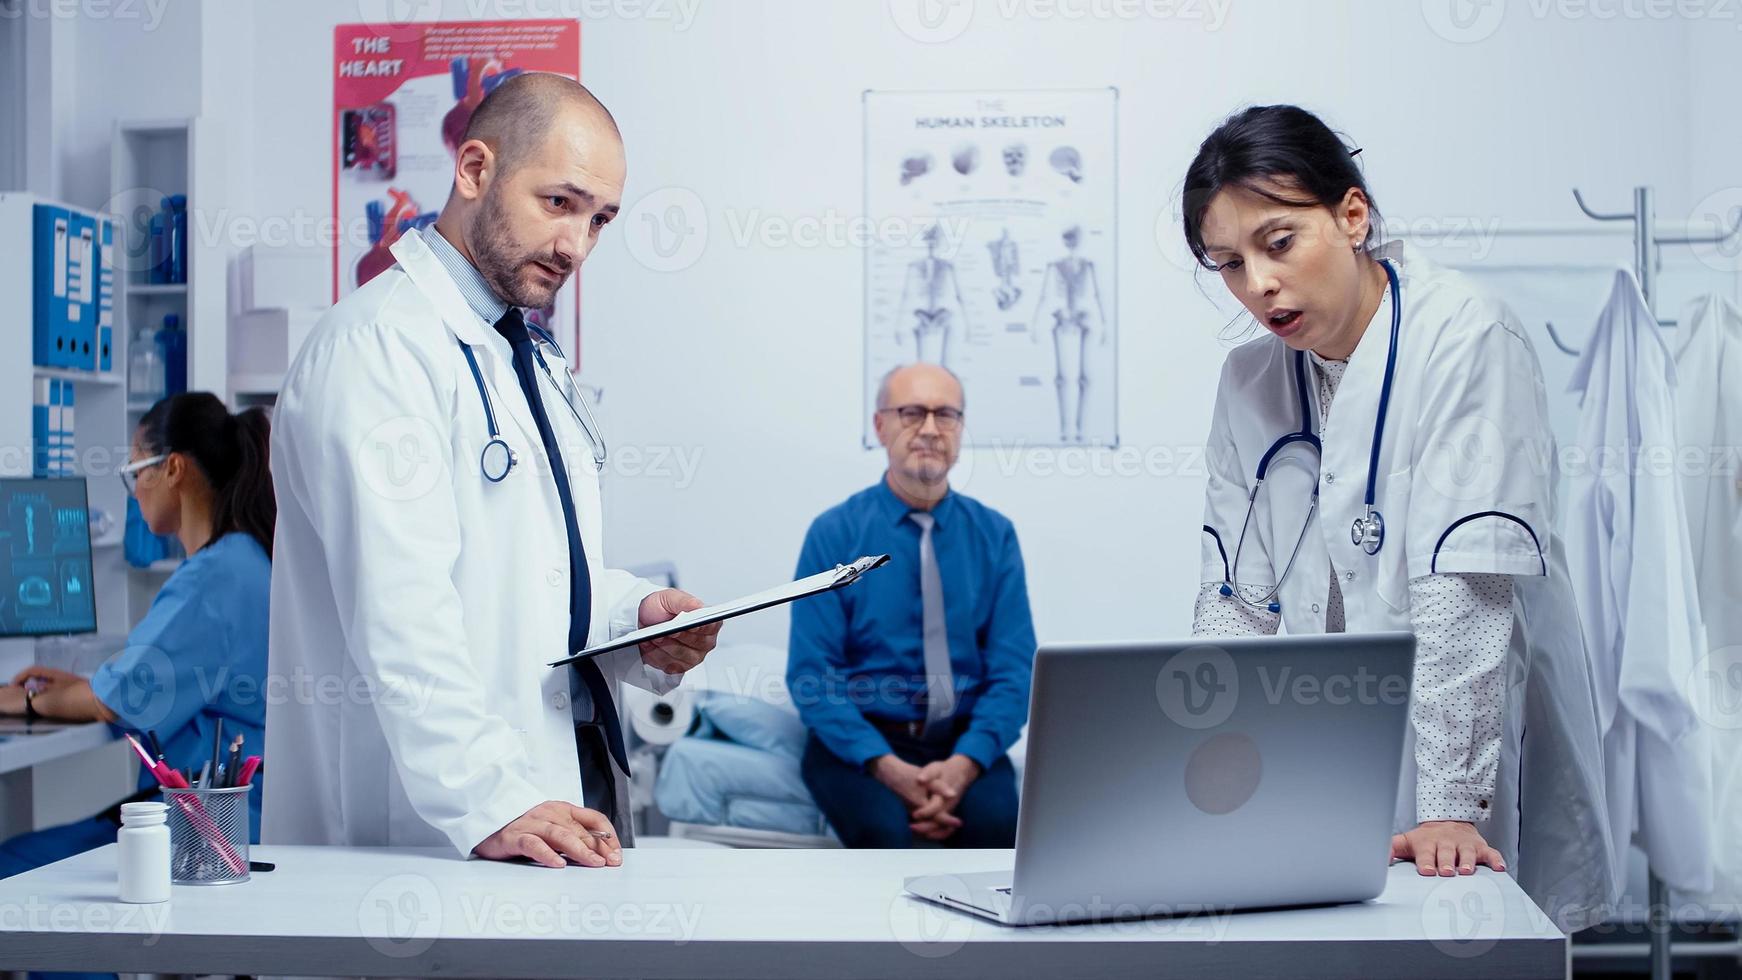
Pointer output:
x,y
1368,530
498,459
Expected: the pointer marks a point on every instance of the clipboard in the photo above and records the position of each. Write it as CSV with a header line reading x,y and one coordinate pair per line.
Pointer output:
x,y
838,578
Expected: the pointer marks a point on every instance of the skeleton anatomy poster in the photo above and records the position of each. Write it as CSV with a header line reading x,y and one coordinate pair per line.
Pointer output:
x,y
402,96
995,255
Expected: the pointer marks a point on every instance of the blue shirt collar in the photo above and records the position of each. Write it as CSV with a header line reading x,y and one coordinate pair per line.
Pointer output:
x,y
896,510
477,292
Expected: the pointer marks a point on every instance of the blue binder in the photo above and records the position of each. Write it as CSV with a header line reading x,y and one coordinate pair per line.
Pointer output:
x,y
105,294
81,322
49,272
39,438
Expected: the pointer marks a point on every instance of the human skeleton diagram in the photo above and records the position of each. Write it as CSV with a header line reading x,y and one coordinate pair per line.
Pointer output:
x,y
1070,292
932,298
1006,264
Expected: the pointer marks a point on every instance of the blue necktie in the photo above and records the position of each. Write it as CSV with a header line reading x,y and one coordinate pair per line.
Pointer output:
x,y
512,327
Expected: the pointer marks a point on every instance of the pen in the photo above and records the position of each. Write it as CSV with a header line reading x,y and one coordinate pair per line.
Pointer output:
x,y
217,749
235,760
156,746
204,782
190,807
249,767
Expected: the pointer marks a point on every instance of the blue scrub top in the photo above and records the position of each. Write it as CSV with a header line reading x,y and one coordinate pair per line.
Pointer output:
x,y
198,656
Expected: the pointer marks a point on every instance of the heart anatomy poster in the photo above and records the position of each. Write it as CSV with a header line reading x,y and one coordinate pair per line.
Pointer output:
x,y
402,96
995,255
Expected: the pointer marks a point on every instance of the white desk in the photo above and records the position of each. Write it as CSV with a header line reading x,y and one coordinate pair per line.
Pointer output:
x,y
22,748
725,913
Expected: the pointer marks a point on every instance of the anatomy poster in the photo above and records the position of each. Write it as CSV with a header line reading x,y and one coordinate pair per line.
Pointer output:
x,y
402,95
994,254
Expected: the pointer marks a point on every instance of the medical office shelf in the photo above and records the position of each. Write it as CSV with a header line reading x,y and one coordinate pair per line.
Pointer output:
x,y
76,376
151,159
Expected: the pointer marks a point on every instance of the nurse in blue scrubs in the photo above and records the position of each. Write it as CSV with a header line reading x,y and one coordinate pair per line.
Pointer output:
x,y
199,655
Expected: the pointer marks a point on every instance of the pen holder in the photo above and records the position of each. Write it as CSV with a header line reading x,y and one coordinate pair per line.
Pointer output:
x,y
208,835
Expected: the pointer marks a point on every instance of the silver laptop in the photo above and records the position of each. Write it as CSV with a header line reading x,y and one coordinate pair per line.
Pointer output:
x,y
1201,775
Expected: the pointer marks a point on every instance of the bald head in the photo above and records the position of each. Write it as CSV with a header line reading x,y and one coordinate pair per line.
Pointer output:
x,y
517,119
537,177
901,385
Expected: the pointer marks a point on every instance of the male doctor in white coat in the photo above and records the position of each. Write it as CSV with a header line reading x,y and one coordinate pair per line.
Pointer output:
x,y
425,573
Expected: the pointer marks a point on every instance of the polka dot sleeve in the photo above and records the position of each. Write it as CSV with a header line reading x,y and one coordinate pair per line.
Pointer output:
x,y
1463,628
1222,615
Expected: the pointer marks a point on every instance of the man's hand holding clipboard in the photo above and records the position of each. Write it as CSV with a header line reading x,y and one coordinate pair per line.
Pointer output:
x,y
688,630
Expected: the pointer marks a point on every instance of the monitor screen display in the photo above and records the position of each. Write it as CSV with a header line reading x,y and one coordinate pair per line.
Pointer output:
x,y
45,558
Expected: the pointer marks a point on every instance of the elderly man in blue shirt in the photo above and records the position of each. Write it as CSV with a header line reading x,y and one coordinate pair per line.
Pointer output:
x,y
914,683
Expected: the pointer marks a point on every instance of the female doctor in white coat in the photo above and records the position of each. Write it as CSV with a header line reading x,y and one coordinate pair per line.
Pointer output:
x,y
1381,460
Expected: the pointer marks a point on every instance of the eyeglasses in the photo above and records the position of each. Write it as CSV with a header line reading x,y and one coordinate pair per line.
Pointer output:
x,y
914,416
130,472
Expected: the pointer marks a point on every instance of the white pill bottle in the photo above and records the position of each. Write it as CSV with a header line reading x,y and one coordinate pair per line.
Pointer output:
x,y
144,853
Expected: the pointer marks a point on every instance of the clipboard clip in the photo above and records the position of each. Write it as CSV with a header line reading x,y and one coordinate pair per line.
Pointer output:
x,y
848,574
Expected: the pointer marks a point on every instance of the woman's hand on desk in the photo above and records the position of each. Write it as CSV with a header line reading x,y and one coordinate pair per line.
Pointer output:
x,y
554,834
45,677
11,700
1446,847
60,695
678,653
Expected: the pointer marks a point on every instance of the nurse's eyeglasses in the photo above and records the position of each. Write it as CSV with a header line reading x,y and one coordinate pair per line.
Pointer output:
x,y
914,416
130,472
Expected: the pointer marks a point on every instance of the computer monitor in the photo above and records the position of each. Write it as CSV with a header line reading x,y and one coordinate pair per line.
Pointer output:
x,y
45,558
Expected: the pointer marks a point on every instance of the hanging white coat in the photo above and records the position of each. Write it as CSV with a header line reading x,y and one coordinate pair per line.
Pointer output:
x,y
1466,484
1638,598
415,604
1708,361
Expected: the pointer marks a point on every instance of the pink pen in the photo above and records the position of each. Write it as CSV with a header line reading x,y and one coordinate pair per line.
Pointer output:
x,y
191,808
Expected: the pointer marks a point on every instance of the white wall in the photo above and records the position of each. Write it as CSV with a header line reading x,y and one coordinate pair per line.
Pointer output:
x,y
751,357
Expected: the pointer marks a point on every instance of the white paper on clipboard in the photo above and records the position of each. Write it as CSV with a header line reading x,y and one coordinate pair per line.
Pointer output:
x,y
838,577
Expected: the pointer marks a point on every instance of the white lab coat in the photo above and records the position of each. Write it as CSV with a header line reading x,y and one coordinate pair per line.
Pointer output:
x,y
415,605
1633,572
1466,433
1708,361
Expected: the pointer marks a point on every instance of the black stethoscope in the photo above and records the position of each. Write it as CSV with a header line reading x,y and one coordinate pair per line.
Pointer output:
x,y
1368,531
498,459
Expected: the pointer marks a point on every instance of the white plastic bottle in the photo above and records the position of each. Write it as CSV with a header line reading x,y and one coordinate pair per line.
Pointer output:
x,y
144,853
